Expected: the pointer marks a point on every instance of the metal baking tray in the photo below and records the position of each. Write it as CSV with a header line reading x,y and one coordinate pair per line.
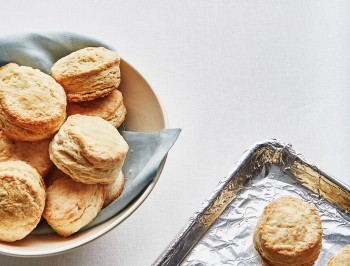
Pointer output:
x,y
220,232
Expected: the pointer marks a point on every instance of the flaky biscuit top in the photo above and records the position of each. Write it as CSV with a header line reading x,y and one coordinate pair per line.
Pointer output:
x,y
88,149
67,199
87,61
22,199
290,226
30,98
99,142
70,205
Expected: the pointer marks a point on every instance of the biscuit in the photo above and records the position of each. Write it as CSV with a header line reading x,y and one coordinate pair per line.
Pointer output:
x,y
34,153
88,73
88,149
114,189
22,200
110,108
71,205
342,258
289,232
32,104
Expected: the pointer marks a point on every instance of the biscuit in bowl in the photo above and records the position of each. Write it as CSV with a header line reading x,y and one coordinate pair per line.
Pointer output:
x,y
35,153
342,258
88,149
32,104
71,205
114,189
88,73
22,200
110,108
289,232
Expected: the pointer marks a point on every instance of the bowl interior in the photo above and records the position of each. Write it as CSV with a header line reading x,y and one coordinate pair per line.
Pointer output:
x,y
145,114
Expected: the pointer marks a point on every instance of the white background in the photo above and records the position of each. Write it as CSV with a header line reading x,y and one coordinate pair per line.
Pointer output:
x,y
229,73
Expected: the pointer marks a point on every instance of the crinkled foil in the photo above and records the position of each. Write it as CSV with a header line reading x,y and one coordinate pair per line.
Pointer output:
x,y
221,232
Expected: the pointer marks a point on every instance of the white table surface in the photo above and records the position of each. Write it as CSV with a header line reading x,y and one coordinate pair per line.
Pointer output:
x,y
229,73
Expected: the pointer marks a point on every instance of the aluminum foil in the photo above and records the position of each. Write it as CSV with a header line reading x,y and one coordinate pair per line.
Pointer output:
x,y
221,232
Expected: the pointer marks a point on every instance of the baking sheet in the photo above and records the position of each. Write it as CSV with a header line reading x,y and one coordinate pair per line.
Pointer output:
x,y
220,233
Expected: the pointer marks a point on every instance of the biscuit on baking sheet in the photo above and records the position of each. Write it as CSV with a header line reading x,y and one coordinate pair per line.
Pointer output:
x,y
289,232
89,149
32,104
34,153
71,205
88,73
110,108
114,189
22,200
342,258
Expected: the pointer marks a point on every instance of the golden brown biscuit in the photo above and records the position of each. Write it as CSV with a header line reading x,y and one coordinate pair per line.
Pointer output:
x,y
71,205
88,73
32,104
342,258
114,189
22,200
289,232
34,153
89,149
110,108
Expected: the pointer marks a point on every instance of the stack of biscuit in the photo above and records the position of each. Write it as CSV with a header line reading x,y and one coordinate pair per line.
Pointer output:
x,y
80,157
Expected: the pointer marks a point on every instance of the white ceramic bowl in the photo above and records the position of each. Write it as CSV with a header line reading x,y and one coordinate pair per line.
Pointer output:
x,y
145,114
